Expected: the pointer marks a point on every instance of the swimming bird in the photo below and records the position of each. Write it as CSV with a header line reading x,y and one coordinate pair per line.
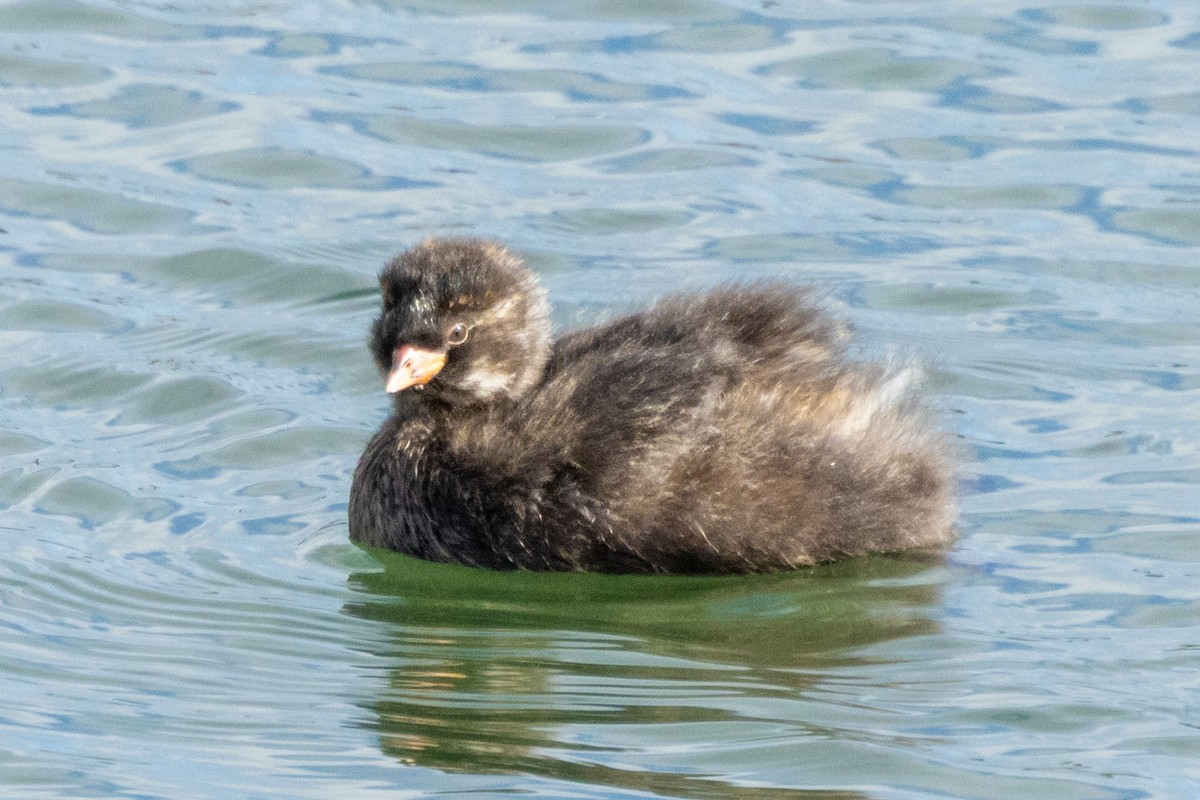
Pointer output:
x,y
720,432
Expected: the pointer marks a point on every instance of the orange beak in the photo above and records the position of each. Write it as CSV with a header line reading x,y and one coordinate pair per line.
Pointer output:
x,y
412,366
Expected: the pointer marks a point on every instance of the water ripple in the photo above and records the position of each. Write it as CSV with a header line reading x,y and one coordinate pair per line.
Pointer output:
x,y
194,207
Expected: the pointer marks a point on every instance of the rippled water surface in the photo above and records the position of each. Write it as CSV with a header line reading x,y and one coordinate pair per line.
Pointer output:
x,y
194,202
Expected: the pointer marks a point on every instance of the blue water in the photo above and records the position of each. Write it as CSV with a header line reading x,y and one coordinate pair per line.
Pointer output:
x,y
195,201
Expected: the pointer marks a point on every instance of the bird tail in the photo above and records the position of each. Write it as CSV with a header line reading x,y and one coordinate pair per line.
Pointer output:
x,y
888,392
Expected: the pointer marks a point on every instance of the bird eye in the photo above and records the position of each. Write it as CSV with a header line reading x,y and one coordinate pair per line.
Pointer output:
x,y
458,334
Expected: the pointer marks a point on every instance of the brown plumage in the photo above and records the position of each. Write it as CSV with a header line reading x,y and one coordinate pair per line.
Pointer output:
x,y
722,432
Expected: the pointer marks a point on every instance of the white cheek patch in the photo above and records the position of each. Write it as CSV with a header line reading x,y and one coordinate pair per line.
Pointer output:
x,y
524,319
485,382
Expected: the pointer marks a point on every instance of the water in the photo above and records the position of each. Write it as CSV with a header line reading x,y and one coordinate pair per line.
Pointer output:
x,y
194,204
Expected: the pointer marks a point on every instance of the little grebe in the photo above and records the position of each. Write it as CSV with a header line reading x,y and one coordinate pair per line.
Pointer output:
x,y
721,432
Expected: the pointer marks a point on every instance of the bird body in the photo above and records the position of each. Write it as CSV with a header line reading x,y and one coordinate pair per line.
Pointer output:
x,y
713,433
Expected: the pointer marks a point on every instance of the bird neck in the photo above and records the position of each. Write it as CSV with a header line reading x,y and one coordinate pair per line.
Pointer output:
x,y
438,409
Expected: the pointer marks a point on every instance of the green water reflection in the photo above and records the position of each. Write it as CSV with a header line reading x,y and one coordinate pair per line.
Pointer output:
x,y
608,679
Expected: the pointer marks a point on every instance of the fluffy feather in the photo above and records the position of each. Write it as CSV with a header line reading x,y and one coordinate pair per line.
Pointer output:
x,y
723,432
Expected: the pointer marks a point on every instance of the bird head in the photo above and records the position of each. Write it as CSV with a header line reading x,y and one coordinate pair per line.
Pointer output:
x,y
462,319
